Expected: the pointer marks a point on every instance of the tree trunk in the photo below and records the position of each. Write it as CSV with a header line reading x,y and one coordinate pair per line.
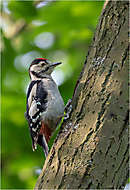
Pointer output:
x,y
91,150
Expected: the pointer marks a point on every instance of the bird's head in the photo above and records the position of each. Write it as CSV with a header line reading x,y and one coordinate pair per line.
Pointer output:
x,y
41,67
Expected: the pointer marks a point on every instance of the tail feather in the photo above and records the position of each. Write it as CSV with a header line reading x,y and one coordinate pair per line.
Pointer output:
x,y
42,138
45,146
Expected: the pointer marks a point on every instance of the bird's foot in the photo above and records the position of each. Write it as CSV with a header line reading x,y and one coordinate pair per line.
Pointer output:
x,y
68,109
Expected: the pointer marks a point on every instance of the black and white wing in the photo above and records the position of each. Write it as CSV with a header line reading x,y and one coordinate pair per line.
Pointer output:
x,y
36,105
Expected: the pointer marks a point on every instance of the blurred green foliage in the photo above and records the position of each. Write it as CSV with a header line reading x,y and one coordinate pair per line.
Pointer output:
x,y
59,31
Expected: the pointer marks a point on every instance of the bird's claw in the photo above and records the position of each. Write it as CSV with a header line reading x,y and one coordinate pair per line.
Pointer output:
x,y
68,109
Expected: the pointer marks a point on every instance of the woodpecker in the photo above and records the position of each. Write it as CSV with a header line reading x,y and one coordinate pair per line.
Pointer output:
x,y
45,106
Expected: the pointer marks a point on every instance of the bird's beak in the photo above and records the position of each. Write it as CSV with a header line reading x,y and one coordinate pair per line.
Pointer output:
x,y
55,64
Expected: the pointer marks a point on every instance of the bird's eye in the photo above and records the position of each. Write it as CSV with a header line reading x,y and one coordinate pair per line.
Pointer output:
x,y
42,64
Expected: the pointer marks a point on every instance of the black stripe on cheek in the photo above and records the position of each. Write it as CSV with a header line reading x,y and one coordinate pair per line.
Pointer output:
x,y
39,75
36,74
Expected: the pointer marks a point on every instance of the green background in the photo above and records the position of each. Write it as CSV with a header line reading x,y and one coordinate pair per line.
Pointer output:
x,y
65,30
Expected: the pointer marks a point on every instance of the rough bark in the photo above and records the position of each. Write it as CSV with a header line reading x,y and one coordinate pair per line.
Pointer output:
x,y
91,150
